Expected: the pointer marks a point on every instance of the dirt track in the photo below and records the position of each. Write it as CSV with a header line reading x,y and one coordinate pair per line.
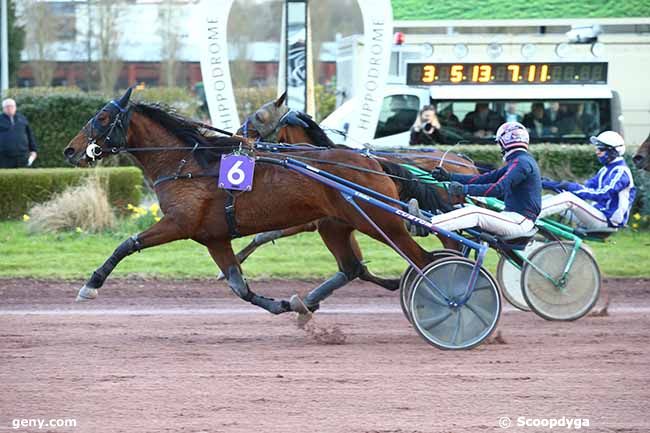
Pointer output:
x,y
156,356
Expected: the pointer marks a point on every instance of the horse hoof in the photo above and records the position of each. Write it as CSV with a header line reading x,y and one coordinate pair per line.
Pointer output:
x,y
299,306
221,276
86,294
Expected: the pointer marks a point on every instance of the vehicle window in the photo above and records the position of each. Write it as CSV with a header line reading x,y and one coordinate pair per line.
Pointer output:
x,y
546,121
398,113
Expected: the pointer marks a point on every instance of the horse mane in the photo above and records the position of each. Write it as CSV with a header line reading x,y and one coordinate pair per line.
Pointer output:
x,y
189,132
316,133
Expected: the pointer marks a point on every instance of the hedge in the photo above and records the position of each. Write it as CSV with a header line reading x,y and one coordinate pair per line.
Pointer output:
x,y
565,162
57,114
20,189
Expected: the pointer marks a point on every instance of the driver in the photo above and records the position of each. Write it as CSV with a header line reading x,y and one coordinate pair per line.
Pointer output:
x,y
611,190
517,182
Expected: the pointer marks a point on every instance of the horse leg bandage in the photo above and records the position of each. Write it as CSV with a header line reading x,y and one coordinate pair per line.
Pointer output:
x,y
237,284
321,292
126,248
240,288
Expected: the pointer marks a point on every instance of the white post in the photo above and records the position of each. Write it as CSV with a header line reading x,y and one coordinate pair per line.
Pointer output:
x,y
4,49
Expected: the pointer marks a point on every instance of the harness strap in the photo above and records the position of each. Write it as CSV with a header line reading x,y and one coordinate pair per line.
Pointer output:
x,y
231,220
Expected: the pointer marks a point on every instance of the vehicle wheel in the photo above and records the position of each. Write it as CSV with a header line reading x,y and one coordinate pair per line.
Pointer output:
x,y
408,277
454,327
509,278
568,302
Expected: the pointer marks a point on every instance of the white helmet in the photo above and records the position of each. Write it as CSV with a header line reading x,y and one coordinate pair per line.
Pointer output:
x,y
512,135
610,140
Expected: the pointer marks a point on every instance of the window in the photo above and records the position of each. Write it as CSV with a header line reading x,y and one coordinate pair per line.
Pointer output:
x,y
64,14
546,121
398,113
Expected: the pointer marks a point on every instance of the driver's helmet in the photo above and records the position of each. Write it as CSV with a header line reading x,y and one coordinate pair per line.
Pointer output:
x,y
611,141
512,135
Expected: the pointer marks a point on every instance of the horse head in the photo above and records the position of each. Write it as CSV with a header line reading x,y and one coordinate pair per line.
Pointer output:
x,y
642,157
266,121
104,133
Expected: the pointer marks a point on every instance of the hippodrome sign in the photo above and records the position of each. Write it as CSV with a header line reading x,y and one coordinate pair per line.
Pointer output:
x,y
377,27
215,67
378,39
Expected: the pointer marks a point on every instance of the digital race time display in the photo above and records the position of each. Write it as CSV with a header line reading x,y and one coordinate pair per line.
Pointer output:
x,y
429,74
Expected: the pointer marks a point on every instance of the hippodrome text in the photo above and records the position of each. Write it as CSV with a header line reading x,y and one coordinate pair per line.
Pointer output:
x,y
217,71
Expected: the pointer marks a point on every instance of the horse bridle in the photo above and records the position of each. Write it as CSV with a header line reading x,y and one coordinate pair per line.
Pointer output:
x,y
266,131
120,124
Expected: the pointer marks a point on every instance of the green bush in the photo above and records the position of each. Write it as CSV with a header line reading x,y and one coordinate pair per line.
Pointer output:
x,y
642,184
325,101
57,114
250,99
20,189
559,161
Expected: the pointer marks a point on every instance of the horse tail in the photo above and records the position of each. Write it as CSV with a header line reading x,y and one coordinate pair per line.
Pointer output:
x,y
410,186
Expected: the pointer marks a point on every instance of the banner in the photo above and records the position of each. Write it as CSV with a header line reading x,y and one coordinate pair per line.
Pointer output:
x,y
296,54
378,42
215,67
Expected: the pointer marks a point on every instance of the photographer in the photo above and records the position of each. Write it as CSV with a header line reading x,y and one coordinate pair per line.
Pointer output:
x,y
426,129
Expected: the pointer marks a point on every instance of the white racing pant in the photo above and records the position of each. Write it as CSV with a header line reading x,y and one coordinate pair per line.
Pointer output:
x,y
586,215
507,224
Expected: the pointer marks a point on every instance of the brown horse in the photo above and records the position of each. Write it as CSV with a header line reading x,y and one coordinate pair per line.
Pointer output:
x,y
642,157
270,123
182,162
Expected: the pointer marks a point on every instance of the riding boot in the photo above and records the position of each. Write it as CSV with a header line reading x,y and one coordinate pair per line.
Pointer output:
x,y
415,229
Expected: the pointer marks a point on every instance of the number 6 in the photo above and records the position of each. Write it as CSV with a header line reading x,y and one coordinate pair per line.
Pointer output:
x,y
235,174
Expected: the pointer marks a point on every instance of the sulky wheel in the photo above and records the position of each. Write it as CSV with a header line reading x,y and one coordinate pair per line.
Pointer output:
x,y
560,300
454,327
408,277
509,278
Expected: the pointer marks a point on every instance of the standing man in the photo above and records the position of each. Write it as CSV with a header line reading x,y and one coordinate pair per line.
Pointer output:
x,y
17,144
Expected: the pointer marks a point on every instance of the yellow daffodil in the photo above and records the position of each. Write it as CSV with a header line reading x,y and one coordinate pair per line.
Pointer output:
x,y
154,208
130,206
635,226
636,216
79,230
25,217
157,219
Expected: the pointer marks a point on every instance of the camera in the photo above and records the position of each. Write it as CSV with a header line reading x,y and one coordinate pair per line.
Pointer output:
x,y
427,127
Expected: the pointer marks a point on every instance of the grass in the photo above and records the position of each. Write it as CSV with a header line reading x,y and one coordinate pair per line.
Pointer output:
x,y
75,255
517,9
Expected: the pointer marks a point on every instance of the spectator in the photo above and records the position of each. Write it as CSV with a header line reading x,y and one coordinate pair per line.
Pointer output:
x,y
482,122
17,144
587,122
576,121
426,129
448,118
535,122
511,112
552,115
402,118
